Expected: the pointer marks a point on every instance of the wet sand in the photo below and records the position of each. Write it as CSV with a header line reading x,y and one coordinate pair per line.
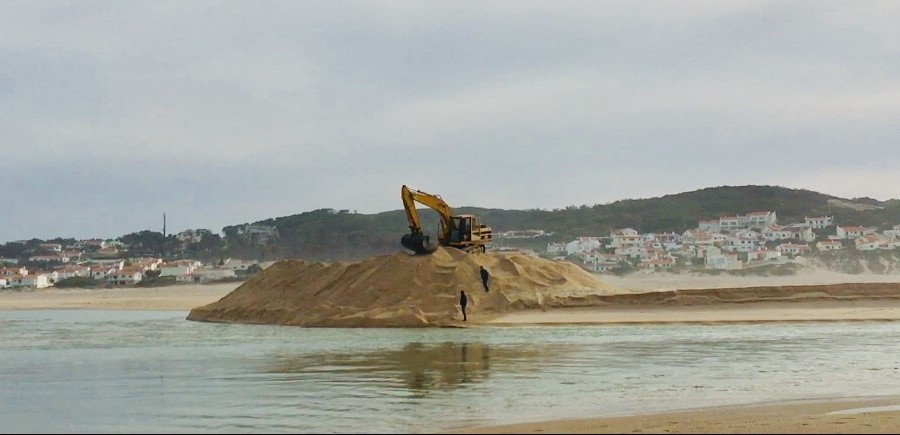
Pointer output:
x,y
174,298
864,415
750,312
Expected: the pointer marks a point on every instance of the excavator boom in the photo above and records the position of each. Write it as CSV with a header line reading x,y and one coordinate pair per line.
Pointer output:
x,y
416,240
463,232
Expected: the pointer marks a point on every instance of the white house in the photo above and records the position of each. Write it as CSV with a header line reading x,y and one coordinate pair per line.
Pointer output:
x,y
722,261
777,232
672,237
869,243
852,232
633,251
802,232
590,257
236,265
174,269
763,255
127,276
39,280
718,238
205,274
758,219
625,237
793,248
100,272
50,258
697,238
552,248
657,263
10,271
728,224
583,244
4,283
740,244
829,245
117,263
182,270
521,234
892,234
147,263
71,270
604,266
819,221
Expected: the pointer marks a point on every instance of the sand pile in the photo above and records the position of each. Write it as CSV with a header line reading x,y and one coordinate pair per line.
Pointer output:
x,y
400,290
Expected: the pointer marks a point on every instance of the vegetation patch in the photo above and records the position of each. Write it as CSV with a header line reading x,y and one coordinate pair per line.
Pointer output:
x,y
78,282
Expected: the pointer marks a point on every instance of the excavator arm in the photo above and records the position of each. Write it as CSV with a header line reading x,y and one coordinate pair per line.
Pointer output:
x,y
416,241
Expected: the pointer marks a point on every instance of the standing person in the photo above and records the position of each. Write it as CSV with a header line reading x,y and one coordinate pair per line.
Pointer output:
x,y
484,279
463,300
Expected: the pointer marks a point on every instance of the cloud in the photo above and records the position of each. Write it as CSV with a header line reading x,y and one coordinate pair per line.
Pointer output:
x,y
200,107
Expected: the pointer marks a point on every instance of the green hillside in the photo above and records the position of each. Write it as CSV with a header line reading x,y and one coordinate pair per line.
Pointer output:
x,y
329,235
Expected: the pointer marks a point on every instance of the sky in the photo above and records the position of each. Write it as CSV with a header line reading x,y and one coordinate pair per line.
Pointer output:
x,y
225,112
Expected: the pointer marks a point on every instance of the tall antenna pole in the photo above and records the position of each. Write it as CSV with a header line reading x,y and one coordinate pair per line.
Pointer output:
x,y
163,253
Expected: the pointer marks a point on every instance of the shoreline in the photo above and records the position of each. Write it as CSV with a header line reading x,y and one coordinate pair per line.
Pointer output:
x,y
711,311
180,297
880,414
717,313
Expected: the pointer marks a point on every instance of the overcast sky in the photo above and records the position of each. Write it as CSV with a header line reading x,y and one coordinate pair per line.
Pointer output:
x,y
224,112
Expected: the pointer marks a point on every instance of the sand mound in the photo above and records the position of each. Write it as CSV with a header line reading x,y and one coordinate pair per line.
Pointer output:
x,y
400,290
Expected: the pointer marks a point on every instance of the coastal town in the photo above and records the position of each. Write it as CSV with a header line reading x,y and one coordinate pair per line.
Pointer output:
x,y
99,262
734,242
728,243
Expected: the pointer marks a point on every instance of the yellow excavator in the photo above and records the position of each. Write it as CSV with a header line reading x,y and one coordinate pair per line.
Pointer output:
x,y
465,231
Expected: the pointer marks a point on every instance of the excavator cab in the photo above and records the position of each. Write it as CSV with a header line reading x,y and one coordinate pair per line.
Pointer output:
x,y
460,229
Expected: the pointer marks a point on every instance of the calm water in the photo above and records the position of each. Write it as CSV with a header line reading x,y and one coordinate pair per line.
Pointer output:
x,y
109,371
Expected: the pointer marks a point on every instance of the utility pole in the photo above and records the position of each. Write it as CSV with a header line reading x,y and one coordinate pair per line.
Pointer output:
x,y
164,237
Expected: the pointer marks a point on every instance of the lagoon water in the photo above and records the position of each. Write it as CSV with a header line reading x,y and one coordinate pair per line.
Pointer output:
x,y
137,371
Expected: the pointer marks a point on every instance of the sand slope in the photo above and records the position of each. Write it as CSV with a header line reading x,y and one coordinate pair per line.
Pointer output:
x,y
399,290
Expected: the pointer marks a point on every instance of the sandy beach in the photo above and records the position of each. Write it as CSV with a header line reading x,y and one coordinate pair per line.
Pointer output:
x,y
175,298
660,281
865,415
815,311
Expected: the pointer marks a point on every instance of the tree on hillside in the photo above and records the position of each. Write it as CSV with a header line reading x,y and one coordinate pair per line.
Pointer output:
x,y
12,250
150,243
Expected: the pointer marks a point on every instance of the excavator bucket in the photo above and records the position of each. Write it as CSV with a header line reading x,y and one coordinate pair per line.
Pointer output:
x,y
417,243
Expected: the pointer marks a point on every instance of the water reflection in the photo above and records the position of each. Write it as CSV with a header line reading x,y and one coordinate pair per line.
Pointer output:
x,y
422,367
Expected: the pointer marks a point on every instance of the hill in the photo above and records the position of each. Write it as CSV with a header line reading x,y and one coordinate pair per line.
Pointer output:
x,y
329,235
